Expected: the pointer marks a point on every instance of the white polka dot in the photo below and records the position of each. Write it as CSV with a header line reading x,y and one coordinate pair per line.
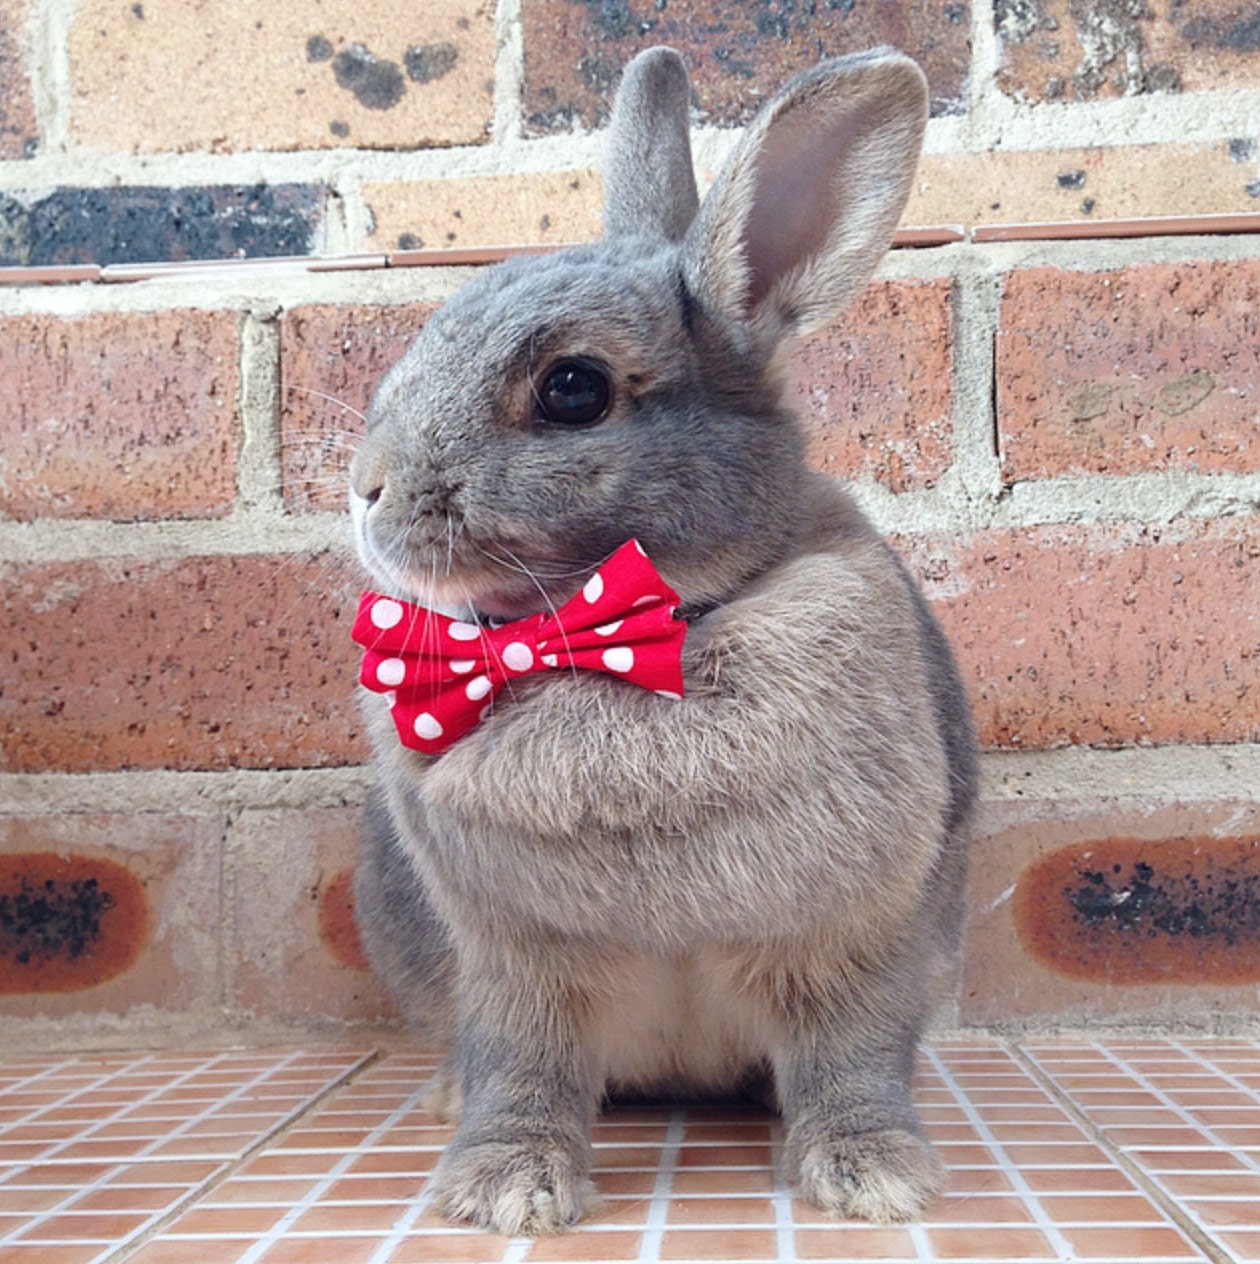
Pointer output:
x,y
669,693
386,614
463,631
518,657
619,659
551,660
609,628
650,599
593,590
477,688
427,727
462,666
391,671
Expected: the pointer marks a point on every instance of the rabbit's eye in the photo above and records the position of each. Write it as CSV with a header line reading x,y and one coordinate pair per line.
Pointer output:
x,y
574,393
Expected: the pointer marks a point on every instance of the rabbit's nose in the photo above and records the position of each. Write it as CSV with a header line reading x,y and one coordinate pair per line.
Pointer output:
x,y
368,477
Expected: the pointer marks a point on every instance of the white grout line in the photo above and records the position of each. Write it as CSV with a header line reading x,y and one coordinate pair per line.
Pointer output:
x,y
1031,1200
314,1195
662,1192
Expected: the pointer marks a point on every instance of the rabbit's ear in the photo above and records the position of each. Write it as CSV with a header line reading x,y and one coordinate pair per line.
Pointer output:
x,y
649,182
805,207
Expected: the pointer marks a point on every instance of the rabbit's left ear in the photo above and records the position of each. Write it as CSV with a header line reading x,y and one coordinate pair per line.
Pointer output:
x,y
649,182
805,207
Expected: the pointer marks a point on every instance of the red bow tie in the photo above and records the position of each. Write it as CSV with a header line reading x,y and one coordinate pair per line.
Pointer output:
x,y
443,675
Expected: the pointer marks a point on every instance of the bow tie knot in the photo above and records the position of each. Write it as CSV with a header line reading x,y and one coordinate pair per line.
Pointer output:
x,y
442,675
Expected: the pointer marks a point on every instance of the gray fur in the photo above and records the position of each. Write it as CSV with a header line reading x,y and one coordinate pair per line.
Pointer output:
x,y
601,889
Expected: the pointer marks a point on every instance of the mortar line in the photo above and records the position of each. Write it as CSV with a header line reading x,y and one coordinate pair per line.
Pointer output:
x,y
507,130
259,464
1165,1201
49,35
230,1168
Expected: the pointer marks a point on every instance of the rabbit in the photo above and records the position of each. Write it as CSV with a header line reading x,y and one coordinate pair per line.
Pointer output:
x,y
598,889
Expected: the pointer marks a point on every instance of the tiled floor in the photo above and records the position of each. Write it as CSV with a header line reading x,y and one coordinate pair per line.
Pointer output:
x,y
1143,1151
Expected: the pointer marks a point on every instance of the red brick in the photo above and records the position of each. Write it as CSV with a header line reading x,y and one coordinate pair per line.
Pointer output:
x,y
1104,635
208,662
331,361
1152,367
159,934
737,54
19,133
875,388
1082,49
119,415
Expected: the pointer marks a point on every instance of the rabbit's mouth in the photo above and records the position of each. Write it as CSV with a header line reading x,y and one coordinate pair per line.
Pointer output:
x,y
457,575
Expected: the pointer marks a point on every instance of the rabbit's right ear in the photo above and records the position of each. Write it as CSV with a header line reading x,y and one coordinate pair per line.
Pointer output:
x,y
805,207
649,182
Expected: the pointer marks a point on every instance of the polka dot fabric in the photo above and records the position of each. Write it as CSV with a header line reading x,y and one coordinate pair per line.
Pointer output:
x,y
441,675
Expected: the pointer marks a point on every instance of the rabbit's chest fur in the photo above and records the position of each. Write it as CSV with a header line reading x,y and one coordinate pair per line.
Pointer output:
x,y
813,797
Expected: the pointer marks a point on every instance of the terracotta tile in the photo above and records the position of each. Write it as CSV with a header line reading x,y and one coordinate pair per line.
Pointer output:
x,y
718,1244
1187,1160
1236,1184
129,1197
752,1181
974,1210
1130,1138
1055,1155
345,1250
721,1211
359,1218
374,1189
586,1246
1225,1211
467,1248
14,1201
637,1184
102,1226
1007,1244
1131,1242
1068,1208
212,1221
977,1181
62,1253
846,1243
723,1156
1245,1246
201,1251
1072,1179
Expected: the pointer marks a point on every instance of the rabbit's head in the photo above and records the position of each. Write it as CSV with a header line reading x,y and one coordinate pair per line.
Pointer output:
x,y
559,405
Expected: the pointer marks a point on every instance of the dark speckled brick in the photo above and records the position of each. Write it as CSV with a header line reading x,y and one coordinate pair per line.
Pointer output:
x,y
738,51
1079,50
143,225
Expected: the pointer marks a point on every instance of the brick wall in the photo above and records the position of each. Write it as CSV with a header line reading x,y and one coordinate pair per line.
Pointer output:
x,y
1061,434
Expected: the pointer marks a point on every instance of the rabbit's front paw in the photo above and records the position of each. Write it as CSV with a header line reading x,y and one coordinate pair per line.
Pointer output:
x,y
880,1176
533,1187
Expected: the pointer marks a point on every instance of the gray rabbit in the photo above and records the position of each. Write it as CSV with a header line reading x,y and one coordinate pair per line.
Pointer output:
x,y
600,889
